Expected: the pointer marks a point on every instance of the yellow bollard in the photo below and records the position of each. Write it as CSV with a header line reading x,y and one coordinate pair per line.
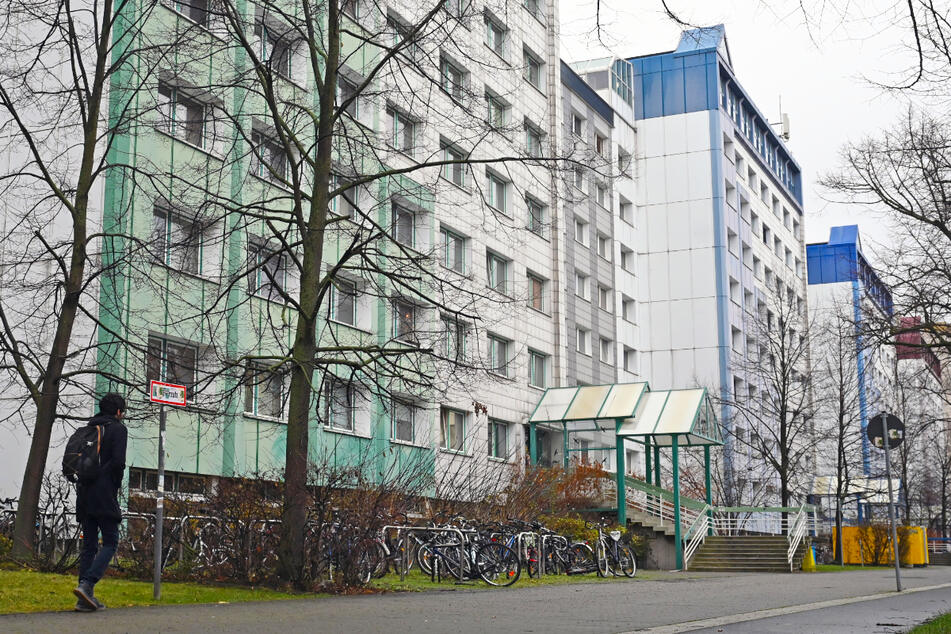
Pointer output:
x,y
809,561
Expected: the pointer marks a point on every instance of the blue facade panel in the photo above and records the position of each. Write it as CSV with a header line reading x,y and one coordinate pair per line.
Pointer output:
x,y
674,83
831,263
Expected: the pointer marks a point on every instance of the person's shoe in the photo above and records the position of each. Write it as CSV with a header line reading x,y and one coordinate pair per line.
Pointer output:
x,y
99,604
84,593
82,606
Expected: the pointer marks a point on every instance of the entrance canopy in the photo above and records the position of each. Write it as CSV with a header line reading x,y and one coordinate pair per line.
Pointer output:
x,y
635,411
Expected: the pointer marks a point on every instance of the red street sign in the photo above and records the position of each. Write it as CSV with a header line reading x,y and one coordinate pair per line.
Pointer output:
x,y
166,393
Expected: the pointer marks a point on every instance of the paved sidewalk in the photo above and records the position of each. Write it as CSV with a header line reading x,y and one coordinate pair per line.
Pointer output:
x,y
672,598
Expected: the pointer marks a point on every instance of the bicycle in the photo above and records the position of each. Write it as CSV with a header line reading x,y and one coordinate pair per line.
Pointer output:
x,y
613,556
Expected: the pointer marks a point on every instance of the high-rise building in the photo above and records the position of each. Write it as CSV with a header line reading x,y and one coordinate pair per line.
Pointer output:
x,y
720,230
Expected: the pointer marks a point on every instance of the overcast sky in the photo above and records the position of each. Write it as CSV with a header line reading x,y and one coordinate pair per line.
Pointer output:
x,y
820,62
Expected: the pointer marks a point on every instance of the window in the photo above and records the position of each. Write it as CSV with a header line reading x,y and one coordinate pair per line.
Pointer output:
x,y
352,8
733,242
498,439
454,251
339,410
194,10
347,94
182,116
454,172
267,271
268,158
453,78
601,145
277,47
624,163
263,391
497,269
604,298
403,38
630,360
533,140
581,285
604,246
497,111
403,422
177,242
734,291
627,259
581,231
532,6
497,192
537,369
172,362
737,339
537,288
403,130
579,178
495,36
346,203
628,309
626,211
498,356
404,226
582,343
343,302
601,194
404,322
533,69
455,334
537,216
452,429
606,349
577,125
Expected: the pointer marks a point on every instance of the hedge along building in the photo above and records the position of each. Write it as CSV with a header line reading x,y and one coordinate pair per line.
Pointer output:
x,y
438,362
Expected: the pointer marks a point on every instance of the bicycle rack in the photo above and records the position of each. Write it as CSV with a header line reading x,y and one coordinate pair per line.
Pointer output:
x,y
413,529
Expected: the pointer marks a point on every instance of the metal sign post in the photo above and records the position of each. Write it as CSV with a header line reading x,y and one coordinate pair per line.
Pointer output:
x,y
887,431
163,394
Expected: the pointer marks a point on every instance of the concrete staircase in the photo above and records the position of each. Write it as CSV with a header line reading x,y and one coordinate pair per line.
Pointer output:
x,y
745,553
940,559
652,522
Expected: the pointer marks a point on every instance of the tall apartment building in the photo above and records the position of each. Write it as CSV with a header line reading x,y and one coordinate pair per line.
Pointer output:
x,y
720,227
487,230
842,284
848,299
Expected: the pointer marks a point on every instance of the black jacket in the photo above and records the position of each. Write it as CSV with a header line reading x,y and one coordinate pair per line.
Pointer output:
x,y
100,499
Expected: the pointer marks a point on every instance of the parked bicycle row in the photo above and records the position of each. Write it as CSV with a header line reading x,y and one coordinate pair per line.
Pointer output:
x,y
343,552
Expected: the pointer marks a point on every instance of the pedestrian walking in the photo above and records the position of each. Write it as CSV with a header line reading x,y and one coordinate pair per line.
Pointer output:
x,y
98,464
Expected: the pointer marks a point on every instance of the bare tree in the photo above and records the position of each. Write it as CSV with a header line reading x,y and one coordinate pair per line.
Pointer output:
x,y
774,418
63,100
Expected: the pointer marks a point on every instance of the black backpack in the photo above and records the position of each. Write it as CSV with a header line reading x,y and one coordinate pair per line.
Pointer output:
x,y
81,460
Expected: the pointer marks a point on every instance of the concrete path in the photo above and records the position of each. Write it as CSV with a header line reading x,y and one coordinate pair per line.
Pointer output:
x,y
681,600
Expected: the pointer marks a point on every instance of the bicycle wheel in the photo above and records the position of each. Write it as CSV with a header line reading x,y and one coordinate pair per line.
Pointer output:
x,y
604,566
581,559
424,559
498,565
626,561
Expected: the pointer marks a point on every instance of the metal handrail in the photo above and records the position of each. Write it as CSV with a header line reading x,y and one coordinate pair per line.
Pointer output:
x,y
699,529
796,535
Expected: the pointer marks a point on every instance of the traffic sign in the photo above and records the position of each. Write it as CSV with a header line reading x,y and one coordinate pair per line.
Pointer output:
x,y
877,425
166,393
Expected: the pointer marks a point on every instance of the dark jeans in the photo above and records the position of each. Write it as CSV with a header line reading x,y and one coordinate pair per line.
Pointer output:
x,y
93,561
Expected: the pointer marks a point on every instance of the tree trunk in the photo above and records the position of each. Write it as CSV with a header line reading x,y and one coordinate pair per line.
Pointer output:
x,y
48,399
839,556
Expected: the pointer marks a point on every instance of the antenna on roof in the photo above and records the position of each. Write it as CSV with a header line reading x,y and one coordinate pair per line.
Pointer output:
x,y
783,122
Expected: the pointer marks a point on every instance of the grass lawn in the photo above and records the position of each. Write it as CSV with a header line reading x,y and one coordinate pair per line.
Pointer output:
x,y
940,625
25,591
416,581
837,568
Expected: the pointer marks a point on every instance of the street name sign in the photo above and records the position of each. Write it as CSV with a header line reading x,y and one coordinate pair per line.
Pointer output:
x,y
166,393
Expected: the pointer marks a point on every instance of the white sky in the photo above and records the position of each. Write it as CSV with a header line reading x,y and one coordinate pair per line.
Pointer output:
x,y
820,62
